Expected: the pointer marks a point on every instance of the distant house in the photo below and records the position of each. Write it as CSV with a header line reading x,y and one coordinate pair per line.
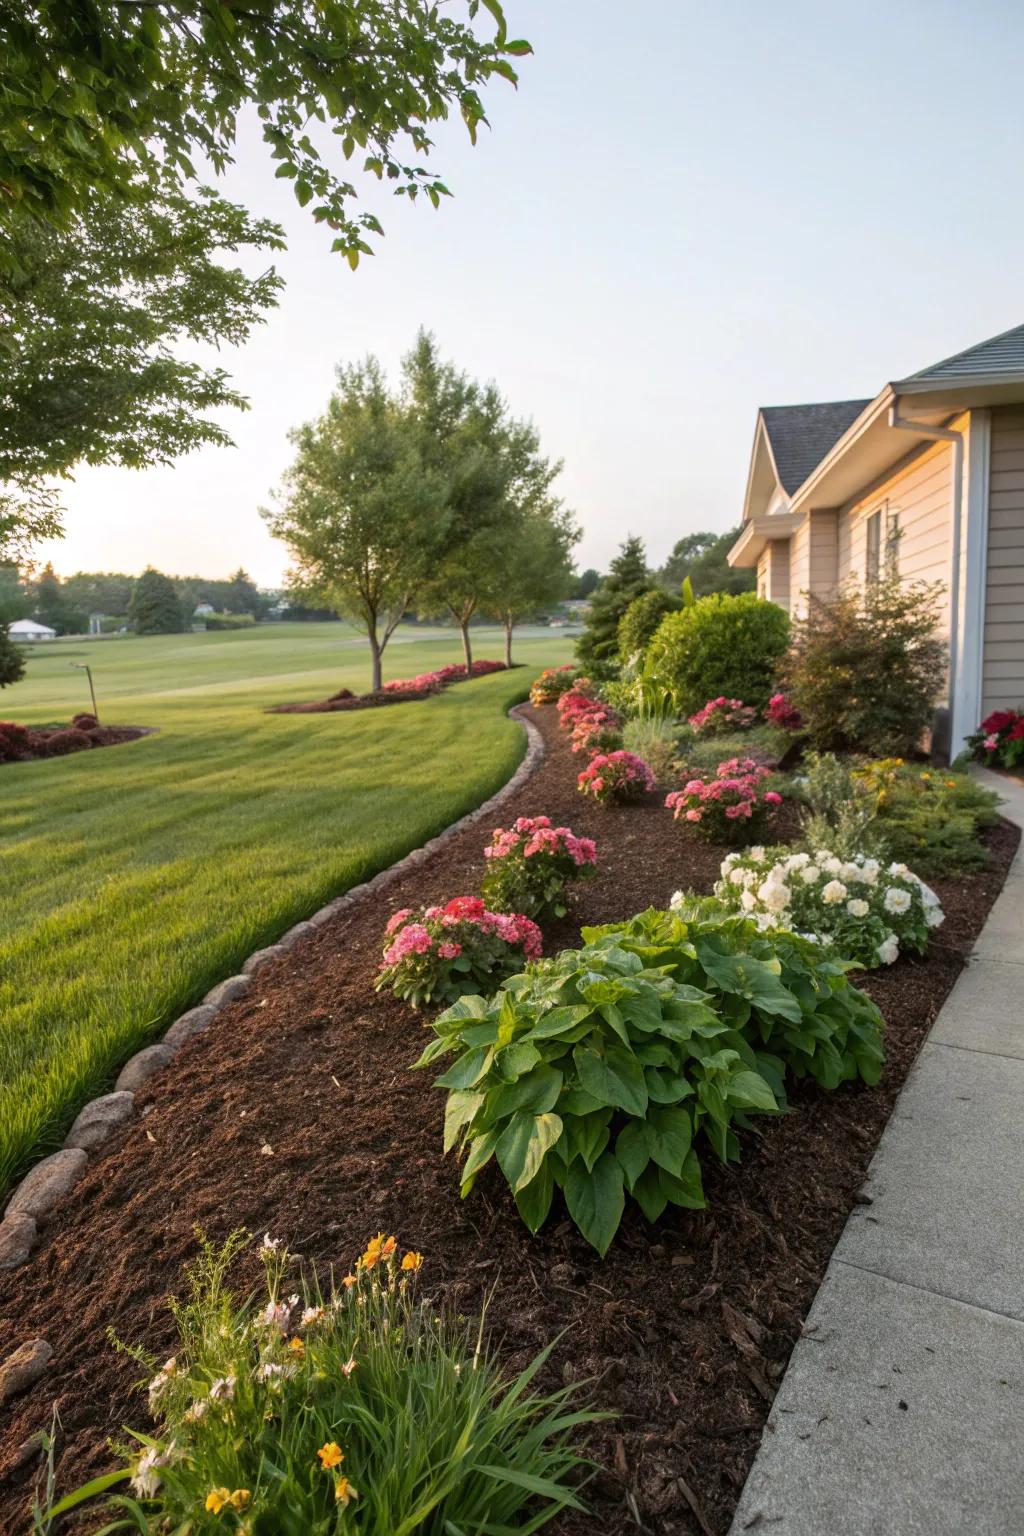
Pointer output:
x,y
28,629
925,481
202,609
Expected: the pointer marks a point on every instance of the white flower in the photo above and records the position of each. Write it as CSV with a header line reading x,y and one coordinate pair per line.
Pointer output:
x,y
756,853
197,1411
834,892
900,870
764,920
928,896
146,1478
737,876
276,1314
223,1389
857,908
748,901
831,865
896,900
311,1315
822,856
270,1244
676,902
729,861
934,917
775,896
810,873
849,872
798,860
888,951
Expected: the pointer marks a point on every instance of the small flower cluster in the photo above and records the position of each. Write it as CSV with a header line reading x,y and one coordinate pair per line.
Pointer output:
x,y
731,807
440,953
432,681
999,740
781,713
863,910
552,683
616,776
722,714
530,863
598,730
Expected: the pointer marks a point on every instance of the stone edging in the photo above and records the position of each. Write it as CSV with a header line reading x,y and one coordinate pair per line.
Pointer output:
x,y
52,1178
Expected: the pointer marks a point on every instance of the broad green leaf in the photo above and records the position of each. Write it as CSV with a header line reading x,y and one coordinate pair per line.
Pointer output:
x,y
521,1147
585,1136
667,1087
559,1021
536,1091
468,1070
750,1090
534,1200
668,1133
648,1193
596,1200
511,1061
631,1151
614,1077
459,1111
687,1190
481,1150
753,979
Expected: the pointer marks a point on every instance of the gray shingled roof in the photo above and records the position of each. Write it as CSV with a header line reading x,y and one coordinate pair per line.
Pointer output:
x,y
801,435
999,355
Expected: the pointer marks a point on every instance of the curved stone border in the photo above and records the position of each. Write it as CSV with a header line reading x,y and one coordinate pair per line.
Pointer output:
x,y
52,1178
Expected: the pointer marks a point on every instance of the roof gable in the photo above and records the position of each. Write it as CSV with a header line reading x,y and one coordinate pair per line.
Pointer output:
x,y
1000,355
801,435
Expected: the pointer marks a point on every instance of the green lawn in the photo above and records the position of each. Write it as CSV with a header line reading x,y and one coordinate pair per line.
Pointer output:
x,y
137,876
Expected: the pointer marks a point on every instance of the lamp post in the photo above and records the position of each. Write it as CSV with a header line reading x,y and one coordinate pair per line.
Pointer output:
x,y
82,666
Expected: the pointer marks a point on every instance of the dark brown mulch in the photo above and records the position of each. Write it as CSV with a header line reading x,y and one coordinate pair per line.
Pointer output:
x,y
347,700
683,1330
58,740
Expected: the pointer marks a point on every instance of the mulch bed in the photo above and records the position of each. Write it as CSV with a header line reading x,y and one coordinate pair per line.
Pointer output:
x,y
345,699
21,744
683,1330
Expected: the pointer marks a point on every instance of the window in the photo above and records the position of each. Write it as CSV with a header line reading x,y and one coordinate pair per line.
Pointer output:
x,y
882,533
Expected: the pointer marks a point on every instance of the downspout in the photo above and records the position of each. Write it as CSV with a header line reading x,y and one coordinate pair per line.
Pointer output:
x,y
946,435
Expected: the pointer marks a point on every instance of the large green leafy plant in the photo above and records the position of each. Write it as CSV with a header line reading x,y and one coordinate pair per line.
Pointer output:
x,y
602,1071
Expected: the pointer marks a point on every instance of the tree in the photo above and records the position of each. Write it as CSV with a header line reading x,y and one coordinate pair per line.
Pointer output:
x,y
362,515
14,600
12,661
702,558
243,595
118,97
535,571
493,474
597,648
584,584
640,621
154,608
107,592
96,321
50,604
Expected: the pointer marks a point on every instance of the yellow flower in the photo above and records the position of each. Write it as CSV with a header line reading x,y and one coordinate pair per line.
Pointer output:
x,y
926,777
296,1347
344,1493
412,1261
216,1499
331,1455
240,1498
950,784
349,1281
379,1247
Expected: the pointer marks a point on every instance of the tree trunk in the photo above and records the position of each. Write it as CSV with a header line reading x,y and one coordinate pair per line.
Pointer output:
x,y
509,626
376,652
467,648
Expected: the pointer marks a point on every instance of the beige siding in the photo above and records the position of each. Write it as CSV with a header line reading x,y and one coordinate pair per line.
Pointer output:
x,y
778,572
814,556
763,560
1003,665
921,494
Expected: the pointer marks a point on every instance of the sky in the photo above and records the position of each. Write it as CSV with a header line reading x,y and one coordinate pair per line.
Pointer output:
x,y
686,211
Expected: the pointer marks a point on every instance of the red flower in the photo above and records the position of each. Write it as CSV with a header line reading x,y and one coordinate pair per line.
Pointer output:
x,y
1000,720
470,907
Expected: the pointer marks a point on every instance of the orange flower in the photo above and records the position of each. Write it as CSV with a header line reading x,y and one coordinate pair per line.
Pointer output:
x,y
349,1281
331,1455
296,1347
344,1493
412,1261
379,1247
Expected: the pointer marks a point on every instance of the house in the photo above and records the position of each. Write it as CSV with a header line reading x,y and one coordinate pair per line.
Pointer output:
x,y
925,481
28,629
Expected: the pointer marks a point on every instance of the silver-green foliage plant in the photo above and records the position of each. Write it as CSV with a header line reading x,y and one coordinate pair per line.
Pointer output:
x,y
841,814
300,1414
604,1071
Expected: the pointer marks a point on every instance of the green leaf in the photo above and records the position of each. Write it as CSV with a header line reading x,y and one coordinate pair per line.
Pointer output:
x,y
533,1202
459,1111
668,1133
631,1151
596,1200
511,1061
687,1190
519,47
667,1087
648,1193
750,1090
586,1136
537,1092
522,1146
615,1078
753,979
468,1070
481,1151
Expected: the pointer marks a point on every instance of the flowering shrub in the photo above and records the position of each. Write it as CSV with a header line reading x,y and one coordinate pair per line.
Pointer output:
x,y
999,740
426,681
578,701
781,713
732,807
859,908
611,1070
530,864
930,817
599,730
439,953
552,683
285,1417
14,742
615,776
722,714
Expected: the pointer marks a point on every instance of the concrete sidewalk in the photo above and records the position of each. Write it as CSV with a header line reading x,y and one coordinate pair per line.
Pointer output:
x,y
902,1410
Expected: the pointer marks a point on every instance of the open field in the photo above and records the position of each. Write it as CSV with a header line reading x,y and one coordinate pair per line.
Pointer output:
x,y
136,876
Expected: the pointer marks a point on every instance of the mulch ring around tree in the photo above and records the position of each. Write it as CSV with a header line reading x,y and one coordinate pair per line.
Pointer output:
x,y
296,1114
406,692
23,743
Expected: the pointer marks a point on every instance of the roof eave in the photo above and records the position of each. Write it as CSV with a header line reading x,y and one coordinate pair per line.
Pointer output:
x,y
759,531
879,406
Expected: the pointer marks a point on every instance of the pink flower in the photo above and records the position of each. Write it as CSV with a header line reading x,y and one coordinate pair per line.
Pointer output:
x,y
397,920
694,815
449,950
991,742
732,811
771,798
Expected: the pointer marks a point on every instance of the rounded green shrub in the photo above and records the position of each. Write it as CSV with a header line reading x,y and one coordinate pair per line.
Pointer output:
x,y
641,619
719,645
